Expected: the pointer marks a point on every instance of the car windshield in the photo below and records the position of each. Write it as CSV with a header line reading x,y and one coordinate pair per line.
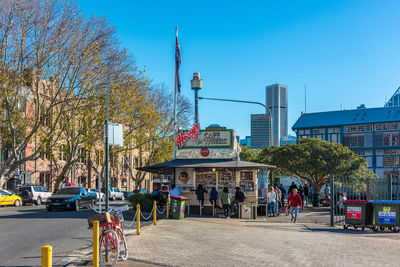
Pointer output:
x,y
5,193
68,191
94,190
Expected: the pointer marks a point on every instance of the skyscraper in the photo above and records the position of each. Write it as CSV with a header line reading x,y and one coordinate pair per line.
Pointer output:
x,y
260,125
276,101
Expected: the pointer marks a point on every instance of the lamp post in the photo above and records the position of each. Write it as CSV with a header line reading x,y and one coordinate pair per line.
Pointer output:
x,y
247,102
196,84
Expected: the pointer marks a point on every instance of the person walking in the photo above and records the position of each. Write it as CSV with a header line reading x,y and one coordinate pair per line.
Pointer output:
x,y
340,203
291,187
283,193
271,199
306,193
213,197
278,200
200,191
295,203
226,201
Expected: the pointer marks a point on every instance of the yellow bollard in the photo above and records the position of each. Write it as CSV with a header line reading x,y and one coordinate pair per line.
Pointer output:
x,y
47,256
138,219
154,212
95,243
168,207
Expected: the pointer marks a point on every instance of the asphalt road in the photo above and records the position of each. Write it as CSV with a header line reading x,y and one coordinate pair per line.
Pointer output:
x,y
24,230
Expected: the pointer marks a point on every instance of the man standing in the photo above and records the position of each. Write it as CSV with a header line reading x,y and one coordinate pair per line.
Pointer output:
x,y
295,201
291,187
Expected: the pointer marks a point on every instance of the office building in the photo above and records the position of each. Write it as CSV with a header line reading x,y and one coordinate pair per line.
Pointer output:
x,y
260,131
246,141
372,133
276,101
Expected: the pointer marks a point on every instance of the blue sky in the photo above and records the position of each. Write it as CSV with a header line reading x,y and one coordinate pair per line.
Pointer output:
x,y
346,51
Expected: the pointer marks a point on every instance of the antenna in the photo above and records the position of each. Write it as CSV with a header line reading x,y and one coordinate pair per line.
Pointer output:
x,y
196,66
305,98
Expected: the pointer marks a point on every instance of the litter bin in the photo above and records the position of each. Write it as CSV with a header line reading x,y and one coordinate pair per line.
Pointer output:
x,y
177,206
386,214
358,213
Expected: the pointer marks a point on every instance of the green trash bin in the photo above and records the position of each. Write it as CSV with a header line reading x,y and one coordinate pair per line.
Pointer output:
x,y
358,213
177,206
387,214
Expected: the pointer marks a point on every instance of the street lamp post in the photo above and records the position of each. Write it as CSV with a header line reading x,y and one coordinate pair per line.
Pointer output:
x,y
247,102
196,84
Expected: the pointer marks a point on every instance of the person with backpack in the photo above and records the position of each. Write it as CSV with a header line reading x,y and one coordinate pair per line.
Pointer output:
x,y
226,201
240,195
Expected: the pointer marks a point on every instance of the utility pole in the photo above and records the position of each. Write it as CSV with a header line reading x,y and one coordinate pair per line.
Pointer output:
x,y
107,149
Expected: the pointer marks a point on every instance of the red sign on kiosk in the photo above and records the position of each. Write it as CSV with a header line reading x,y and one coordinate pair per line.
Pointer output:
x,y
181,140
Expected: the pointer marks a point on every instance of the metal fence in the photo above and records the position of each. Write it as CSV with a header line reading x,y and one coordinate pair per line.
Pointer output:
x,y
359,188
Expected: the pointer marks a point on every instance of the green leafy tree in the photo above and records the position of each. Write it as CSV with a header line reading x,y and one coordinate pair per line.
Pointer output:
x,y
314,161
248,154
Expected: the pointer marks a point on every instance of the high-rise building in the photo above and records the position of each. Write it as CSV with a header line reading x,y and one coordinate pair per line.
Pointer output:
x,y
260,130
276,101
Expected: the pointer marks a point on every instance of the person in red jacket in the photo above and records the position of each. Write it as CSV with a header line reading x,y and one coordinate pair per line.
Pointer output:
x,y
295,202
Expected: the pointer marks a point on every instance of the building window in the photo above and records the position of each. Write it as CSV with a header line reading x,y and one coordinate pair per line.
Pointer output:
x,y
82,181
315,131
81,155
307,132
301,132
62,155
395,126
386,127
368,128
395,139
386,161
378,127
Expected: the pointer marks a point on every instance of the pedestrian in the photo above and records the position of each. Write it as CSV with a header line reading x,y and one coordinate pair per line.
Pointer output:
x,y
283,193
226,201
240,195
175,192
301,193
291,187
306,193
213,197
340,203
200,191
278,199
271,199
295,201
311,194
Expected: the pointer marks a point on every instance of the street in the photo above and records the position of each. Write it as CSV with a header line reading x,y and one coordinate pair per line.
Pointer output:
x,y
25,229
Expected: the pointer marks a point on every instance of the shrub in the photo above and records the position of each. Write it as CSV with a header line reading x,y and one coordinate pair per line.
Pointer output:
x,y
143,199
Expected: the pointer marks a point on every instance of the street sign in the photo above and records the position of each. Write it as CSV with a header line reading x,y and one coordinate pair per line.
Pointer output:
x,y
115,134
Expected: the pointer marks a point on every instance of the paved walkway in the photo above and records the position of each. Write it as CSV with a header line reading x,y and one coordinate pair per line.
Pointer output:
x,y
232,242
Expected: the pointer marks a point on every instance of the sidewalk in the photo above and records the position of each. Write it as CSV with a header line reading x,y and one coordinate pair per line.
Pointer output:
x,y
233,242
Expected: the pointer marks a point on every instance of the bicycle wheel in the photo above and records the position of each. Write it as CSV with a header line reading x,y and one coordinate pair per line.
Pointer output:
x,y
109,248
123,249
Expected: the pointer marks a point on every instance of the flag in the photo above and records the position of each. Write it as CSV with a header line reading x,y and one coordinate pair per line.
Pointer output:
x,y
177,61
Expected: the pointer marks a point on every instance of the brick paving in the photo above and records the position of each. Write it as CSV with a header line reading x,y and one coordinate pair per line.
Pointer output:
x,y
233,242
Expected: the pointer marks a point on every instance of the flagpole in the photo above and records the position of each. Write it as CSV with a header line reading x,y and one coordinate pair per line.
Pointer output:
x,y
175,96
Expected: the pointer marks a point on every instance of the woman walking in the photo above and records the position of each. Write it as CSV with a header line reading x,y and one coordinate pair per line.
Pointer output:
x,y
271,198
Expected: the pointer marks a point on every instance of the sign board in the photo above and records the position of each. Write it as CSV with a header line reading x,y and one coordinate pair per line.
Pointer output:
x,y
354,213
184,178
211,139
386,216
115,134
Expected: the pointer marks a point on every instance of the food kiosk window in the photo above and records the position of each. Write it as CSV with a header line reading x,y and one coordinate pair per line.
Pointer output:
x,y
246,176
247,186
208,180
226,178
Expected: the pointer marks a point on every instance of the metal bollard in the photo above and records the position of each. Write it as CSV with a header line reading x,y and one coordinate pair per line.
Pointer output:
x,y
168,207
154,212
47,256
138,219
95,243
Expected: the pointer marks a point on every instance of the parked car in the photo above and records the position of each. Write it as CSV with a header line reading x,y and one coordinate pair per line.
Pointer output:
x,y
114,194
127,194
99,195
8,198
70,198
35,194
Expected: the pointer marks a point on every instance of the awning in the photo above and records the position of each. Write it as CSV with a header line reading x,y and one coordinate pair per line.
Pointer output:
x,y
204,163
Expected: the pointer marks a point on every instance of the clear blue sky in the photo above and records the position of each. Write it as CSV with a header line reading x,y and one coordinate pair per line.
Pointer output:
x,y
346,51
